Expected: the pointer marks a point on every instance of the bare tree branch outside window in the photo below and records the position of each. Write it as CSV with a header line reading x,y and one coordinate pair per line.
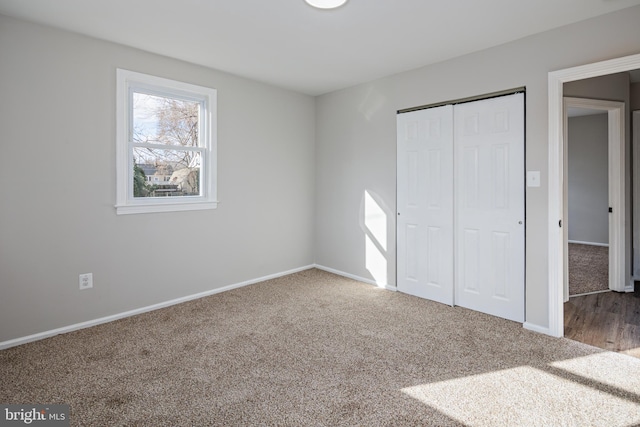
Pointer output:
x,y
164,131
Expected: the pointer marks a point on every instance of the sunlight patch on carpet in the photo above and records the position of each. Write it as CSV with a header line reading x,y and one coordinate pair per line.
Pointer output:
x,y
525,396
633,352
617,371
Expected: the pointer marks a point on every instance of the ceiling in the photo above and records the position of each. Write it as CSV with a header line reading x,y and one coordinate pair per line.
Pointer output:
x,y
292,45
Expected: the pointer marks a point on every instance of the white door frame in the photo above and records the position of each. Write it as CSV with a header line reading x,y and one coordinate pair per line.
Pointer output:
x,y
616,193
555,175
635,144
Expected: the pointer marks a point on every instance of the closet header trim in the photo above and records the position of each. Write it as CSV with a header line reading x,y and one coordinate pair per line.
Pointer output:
x,y
469,99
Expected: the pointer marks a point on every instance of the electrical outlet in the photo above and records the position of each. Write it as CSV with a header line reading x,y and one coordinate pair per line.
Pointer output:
x,y
86,281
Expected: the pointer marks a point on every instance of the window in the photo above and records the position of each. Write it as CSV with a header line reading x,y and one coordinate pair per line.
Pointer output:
x,y
166,145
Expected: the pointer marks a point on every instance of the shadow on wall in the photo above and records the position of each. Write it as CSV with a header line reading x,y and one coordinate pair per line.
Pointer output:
x,y
374,222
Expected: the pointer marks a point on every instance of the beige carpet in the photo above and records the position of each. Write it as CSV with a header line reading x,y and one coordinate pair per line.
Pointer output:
x,y
315,349
588,269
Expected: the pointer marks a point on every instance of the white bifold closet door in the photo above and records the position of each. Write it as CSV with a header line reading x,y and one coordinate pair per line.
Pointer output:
x,y
460,223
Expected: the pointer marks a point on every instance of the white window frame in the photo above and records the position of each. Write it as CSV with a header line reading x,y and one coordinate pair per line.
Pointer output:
x,y
126,83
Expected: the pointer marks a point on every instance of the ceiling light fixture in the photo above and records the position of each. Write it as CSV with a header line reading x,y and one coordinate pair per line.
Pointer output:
x,y
326,4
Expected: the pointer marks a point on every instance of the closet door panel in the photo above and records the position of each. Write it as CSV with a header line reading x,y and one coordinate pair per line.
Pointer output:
x,y
425,203
489,205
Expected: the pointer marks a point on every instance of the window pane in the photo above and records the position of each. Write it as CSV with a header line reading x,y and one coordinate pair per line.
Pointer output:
x,y
163,120
166,173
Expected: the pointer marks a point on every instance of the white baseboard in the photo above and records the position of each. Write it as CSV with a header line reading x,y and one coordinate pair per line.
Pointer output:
x,y
527,325
631,286
94,322
536,328
358,278
589,243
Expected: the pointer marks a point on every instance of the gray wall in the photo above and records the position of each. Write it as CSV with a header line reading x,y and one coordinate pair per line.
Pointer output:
x,y
57,169
356,137
588,178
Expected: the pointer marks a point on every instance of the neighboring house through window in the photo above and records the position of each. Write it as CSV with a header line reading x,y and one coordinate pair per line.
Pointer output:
x,y
166,145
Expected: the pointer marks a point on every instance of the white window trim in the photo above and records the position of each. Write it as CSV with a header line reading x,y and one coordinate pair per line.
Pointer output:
x,y
126,81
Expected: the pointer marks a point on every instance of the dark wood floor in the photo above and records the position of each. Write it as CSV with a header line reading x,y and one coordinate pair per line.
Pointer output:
x,y
608,320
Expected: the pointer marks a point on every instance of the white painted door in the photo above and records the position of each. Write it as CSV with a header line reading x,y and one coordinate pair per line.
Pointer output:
x,y
425,204
489,159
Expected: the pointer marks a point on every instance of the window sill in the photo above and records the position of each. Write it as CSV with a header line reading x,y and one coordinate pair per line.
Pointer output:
x,y
165,207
